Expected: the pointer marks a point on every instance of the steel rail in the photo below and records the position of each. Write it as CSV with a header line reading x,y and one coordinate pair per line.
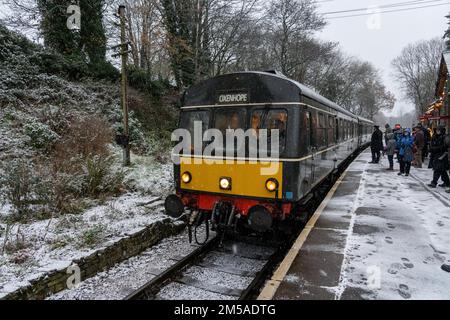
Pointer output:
x,y
151,288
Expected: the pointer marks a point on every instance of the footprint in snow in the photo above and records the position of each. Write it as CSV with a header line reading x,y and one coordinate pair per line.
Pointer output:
x,y
388,240
391,226
395,267
403,291
440,224
407,263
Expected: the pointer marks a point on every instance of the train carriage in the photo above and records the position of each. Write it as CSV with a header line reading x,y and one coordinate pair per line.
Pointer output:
x,y
316,136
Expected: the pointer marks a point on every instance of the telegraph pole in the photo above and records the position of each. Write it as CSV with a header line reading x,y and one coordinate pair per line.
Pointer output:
x,y
123,87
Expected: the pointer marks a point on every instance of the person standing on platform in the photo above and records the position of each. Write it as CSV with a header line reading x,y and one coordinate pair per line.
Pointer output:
x,y
419,142
440,159
427,140
431,162
391,147
447,143
387,132
405,153
376,144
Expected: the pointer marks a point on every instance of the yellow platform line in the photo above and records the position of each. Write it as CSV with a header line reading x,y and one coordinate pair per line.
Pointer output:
x,y
274,283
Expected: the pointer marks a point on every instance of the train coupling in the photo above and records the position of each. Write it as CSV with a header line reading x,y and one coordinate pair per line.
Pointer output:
x,y
224,217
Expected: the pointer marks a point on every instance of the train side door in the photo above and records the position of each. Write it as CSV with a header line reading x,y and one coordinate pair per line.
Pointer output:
x,y
359,133
312,149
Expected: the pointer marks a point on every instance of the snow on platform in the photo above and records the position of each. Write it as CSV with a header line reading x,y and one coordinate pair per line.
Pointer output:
x,y
381,236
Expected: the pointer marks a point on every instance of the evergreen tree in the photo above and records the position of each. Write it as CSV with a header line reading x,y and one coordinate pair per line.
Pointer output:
x,y
177,16
93,38
89,43
54,27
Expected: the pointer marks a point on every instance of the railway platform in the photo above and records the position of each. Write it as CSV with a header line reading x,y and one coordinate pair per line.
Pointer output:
x,y
377,235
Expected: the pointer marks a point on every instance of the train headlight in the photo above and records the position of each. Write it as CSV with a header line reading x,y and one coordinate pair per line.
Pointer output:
x,y
225,183
186,177
272,185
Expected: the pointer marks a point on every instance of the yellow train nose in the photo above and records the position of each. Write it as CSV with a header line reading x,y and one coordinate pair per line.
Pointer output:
x,y
242,178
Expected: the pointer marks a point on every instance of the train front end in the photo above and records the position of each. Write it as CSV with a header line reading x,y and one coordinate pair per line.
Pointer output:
x,y
228,167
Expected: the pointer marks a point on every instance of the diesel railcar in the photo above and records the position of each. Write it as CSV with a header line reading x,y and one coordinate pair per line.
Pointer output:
x,y
316,137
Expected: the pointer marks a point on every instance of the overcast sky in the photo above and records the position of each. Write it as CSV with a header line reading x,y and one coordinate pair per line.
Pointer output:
x,y
381,42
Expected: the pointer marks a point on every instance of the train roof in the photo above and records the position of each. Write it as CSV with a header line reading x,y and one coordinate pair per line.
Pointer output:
x,y
304,90
310,93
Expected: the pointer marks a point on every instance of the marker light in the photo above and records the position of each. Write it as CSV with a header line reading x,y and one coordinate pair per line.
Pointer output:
x,y
186,177
272,185
225,183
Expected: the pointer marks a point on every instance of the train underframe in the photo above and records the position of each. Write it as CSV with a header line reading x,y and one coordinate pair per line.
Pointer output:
x,y
239,215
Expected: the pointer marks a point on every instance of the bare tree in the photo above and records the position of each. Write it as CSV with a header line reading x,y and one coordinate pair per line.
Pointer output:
x,y
416,69
291,23
354,84
146,35
23,16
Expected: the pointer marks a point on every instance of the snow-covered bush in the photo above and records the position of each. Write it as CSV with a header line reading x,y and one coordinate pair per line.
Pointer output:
x,y
100,177
92,236
84,137
41,136
22,188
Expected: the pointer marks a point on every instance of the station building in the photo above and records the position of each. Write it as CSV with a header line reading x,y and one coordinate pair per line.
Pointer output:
x,y
438,113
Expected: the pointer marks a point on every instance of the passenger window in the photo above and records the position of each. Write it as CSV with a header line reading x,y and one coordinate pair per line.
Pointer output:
x,y
331,130
271,120
309,133
337,130
188,120
322,131
229,119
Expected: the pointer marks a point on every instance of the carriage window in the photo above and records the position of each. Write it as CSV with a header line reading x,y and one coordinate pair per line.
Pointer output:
x,y
331,130
347,129
309,133
188,120
271,120
337,130
322,131
229,119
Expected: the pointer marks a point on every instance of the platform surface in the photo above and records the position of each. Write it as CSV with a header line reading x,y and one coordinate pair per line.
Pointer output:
x,y
376,236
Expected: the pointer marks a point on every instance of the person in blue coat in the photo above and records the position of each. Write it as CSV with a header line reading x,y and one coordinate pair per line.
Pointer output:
x,y
405,153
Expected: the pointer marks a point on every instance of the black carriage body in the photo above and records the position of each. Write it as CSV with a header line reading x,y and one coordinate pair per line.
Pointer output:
x,y
320,135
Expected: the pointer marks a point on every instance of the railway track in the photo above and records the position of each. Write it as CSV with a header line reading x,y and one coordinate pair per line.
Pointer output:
x,y
245,265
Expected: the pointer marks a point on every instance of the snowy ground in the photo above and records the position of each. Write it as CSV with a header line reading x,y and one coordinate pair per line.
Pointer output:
x,y
381,236
399,236
130,275
52,244
121,280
